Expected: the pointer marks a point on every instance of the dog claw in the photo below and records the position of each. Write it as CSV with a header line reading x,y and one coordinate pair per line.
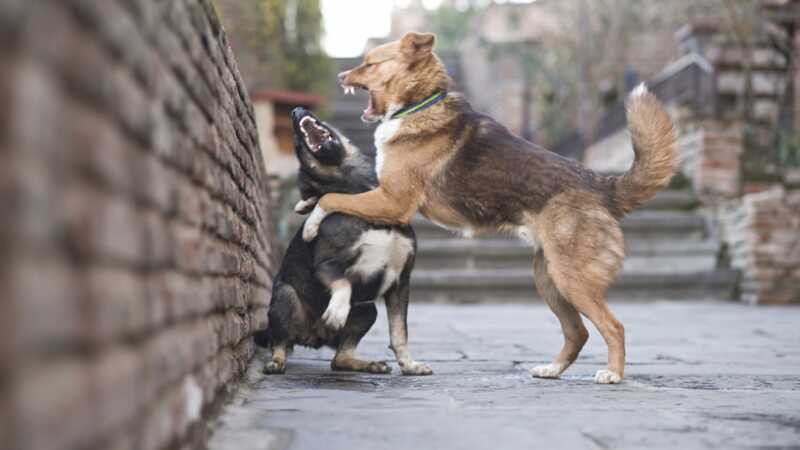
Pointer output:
x,y
305,206
274,367
378,367
547,371
415,368
605,376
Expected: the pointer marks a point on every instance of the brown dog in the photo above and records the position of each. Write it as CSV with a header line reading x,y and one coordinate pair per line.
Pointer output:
x,y
466,172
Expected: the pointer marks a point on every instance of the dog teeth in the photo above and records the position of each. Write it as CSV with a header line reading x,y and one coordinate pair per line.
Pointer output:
x,y
349,90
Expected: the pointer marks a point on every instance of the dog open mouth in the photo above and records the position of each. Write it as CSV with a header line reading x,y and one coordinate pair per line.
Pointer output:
x,y
314,134
369,113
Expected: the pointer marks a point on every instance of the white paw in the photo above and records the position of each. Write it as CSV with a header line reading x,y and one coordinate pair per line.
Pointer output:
x,y
304,206
311,227
415,368
335,318
335,315
551,370
605,376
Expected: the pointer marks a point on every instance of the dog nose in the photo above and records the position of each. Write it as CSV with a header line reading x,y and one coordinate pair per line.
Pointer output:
x,y
342,76
299,112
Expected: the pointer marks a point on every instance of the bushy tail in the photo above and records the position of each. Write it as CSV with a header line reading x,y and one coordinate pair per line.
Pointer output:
x,y
654,144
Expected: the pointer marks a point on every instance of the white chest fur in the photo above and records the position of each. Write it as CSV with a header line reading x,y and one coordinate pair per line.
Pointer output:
x,y
383,134
385,250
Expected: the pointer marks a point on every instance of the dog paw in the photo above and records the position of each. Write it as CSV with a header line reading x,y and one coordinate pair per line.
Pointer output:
x,y
551,370
305,206
336,315
274,367
605,376
378,367
416,368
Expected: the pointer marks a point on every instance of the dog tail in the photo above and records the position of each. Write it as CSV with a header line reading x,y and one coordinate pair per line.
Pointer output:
x,y
654,146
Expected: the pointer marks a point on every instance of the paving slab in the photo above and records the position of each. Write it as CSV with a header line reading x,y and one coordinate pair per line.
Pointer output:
x,y
700,375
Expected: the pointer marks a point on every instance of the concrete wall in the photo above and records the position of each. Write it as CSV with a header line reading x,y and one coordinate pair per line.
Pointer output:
x,y
280,163
135,236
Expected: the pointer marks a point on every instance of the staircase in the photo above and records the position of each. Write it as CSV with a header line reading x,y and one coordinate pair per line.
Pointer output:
x,y
669,256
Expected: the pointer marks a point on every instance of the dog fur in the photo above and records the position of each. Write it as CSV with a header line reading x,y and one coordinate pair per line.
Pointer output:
x,y
325,290
466,172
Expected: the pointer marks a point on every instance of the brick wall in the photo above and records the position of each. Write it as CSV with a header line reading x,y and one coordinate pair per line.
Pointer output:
x,y
135,236
751,203
763,234
713,151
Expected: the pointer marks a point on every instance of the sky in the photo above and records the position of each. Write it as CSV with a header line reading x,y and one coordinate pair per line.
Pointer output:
x,y
349,23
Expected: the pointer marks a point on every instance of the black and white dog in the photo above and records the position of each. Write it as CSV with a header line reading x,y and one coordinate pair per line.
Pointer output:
x,y
325,290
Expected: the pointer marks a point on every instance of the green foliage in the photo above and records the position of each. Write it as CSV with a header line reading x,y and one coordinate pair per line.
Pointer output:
x,y
788,150
286,36
450,24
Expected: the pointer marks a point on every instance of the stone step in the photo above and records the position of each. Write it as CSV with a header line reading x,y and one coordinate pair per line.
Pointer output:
x,y
472,286
642,224
661,256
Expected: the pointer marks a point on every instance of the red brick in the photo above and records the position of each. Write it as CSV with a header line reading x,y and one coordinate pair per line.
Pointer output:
x,y
141,259
48,307
54,397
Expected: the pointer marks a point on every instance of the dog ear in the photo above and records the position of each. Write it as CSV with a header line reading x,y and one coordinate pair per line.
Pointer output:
x,y
415,46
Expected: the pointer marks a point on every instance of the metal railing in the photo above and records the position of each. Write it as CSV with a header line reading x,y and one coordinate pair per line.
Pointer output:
x,y
688,82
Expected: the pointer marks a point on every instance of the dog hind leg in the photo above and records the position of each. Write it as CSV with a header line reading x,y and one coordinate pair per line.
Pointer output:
x,y
277,364
397,311
584,249
358,324
575,333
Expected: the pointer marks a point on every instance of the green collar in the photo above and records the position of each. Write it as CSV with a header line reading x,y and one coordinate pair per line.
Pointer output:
x,y
419,106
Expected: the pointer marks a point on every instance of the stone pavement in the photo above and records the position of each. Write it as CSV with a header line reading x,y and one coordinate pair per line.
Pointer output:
x,y
699,375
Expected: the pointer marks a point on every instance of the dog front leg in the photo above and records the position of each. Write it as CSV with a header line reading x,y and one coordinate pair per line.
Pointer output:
x,y
335,315
305,206
376,206
397,311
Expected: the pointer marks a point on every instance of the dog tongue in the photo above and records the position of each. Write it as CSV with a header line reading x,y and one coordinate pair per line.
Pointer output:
x,y
370,111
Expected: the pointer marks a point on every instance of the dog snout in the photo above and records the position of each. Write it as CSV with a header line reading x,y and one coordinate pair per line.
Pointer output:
x,y
342,76
299,112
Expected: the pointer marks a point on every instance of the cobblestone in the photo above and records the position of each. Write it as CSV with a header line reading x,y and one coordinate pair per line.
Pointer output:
x,y
699,375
